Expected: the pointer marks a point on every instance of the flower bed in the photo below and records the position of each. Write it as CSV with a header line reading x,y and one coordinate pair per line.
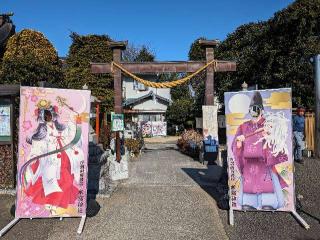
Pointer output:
x,y
134,145
190,143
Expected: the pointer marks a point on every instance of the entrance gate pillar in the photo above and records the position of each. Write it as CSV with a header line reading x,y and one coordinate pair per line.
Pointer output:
x,y
210,109
117,48
209,93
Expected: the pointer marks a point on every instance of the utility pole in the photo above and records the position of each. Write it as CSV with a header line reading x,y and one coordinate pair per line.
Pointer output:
x,y
316,65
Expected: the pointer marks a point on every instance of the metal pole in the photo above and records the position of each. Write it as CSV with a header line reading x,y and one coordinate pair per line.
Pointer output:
x,y
316,64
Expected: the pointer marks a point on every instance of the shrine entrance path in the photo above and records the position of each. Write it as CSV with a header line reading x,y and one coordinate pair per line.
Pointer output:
x,y
162,199
159,201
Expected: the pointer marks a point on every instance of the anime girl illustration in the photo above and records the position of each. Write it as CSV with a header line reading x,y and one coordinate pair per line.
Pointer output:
x,y
258,146
51,175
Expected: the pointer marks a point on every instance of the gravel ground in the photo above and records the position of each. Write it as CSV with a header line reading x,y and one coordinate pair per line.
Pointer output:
x,y
165,198
279,225
161,200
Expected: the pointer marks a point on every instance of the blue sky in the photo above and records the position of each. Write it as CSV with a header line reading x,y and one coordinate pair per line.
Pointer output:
x,y
168,27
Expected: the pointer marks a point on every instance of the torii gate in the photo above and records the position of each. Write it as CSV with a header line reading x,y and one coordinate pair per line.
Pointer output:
x,y
160,67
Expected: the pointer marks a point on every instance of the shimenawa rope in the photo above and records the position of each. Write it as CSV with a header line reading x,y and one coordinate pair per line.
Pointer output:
x,y
168,84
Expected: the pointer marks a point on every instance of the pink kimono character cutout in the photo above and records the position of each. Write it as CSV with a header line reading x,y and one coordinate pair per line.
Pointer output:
x,y
261,185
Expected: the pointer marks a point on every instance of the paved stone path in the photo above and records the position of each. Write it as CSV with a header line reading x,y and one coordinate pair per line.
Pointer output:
x,y
162,139
164,165
161,200
164,199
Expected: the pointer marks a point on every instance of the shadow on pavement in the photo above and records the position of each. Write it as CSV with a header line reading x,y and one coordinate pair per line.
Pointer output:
x,y
13,210
214,181
268,225
300,209
93,207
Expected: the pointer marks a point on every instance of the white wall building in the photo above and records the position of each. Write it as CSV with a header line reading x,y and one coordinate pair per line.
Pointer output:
x,y
145,103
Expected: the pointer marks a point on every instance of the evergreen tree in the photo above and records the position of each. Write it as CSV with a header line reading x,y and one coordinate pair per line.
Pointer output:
x,y
273,53
83,51
30,58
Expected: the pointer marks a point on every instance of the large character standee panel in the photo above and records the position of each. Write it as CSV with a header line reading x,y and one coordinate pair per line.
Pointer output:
x,y
260,164
53,152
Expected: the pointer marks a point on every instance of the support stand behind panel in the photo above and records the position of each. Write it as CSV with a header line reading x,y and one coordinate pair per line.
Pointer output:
x,y
15,220
9,225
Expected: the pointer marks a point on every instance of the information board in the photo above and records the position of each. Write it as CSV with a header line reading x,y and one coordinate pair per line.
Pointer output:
x,y
117,122
53,153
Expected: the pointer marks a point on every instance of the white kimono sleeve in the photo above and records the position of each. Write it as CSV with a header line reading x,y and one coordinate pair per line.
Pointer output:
x,y
37,148
74,153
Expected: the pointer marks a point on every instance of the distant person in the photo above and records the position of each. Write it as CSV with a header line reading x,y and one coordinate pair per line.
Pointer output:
x,y
298,133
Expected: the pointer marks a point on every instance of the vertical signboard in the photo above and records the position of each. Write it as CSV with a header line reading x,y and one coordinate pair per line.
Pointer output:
x,y
5,121
53,153
260,150
210,122
259,137
210,134
117,122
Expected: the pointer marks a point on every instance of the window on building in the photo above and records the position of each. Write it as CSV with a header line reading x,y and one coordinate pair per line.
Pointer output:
x,y
150,117
146,117
139,86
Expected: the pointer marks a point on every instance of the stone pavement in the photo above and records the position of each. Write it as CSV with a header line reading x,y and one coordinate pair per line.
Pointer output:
x,y
280,225
161,200
162,139
165,198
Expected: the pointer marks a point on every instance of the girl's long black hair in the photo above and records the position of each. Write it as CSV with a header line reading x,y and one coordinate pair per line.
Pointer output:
x,y
41,131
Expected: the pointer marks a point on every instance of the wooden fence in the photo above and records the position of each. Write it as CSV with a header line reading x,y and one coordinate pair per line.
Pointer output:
x,y
310,131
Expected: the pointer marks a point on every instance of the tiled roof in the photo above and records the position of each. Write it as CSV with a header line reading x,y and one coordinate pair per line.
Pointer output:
x,y
130,101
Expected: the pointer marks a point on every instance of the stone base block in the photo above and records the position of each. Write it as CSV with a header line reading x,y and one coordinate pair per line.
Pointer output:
x,y
118,171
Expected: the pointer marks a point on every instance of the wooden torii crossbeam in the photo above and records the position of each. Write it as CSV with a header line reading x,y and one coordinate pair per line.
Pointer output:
x,y
161,67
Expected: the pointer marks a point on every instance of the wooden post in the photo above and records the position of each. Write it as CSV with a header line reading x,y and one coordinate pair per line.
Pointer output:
x,y
13,130
117,47
209,93
97,121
